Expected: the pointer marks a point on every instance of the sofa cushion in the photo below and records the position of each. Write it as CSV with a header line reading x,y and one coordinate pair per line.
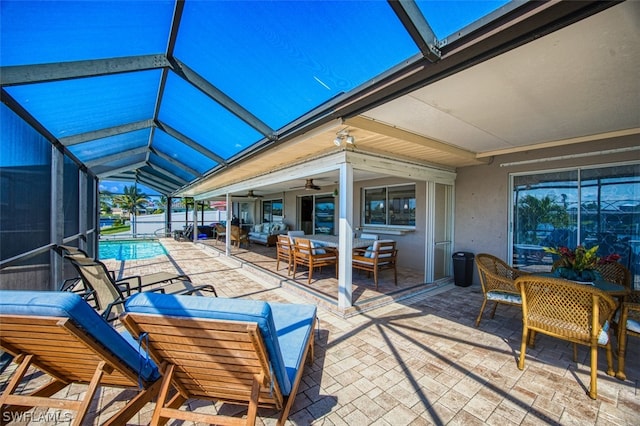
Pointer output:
x,y
70,305
317,248
285,328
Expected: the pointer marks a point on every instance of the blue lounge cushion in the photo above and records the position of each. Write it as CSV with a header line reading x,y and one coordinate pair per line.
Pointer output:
x,y
71,305
285,328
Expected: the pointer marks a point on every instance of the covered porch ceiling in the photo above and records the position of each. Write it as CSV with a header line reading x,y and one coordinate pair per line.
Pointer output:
x,y
190,97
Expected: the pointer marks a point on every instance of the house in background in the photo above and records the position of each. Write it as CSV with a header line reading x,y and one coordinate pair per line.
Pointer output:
x,y
433,136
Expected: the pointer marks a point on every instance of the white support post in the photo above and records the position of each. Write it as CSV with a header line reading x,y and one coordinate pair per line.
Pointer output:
x,y
345,236
227,239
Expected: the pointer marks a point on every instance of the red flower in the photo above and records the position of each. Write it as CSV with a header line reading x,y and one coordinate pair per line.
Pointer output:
x,y
611,258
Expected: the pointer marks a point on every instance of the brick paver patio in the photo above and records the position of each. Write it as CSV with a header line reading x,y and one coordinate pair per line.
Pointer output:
x,y
418,361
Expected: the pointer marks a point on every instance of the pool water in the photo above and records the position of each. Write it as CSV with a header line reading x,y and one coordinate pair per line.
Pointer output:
x,y
130,249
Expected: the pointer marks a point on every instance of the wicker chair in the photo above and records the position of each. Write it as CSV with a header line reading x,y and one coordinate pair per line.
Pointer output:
x,y
497,281
221,232
616,273
577,313
630,317
284,252
239,236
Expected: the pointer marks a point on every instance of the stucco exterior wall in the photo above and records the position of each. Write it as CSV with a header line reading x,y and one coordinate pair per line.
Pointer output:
x,y
482,192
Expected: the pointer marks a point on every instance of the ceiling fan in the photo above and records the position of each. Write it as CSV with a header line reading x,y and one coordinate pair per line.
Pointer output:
x,y
250,194
308,186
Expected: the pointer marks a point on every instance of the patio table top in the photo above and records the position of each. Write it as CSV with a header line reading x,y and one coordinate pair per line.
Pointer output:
x,y
332,240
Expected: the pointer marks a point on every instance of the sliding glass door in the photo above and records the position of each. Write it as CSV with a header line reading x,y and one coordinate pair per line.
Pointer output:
x,y
590,206
317,214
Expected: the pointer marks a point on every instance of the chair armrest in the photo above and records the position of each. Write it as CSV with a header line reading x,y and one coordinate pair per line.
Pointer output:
x,y
70,284
124,287
328,252
137,282
106,314
495,282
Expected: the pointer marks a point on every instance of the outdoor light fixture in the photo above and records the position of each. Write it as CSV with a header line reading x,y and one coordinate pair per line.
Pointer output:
x,y
343,135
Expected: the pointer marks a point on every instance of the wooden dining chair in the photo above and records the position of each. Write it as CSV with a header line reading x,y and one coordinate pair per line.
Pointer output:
x,y
377,257
284,252
306,253
578,313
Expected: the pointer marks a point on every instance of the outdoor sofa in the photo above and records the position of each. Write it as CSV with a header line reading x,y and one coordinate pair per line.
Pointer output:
x,y
267,233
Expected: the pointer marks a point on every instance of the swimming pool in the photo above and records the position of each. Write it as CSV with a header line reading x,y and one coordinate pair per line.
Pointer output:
x,y
130,249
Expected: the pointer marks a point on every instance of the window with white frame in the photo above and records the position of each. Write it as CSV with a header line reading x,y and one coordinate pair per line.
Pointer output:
x,y
272,211
390,206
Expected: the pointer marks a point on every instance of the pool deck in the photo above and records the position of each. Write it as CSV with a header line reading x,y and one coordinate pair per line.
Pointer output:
x,y
415,361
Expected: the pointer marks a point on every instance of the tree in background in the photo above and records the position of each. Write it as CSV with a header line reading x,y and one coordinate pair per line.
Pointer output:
x,y
131,200
533,211
106,201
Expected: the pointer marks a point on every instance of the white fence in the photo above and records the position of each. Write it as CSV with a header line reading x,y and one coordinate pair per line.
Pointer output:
x,y
153,225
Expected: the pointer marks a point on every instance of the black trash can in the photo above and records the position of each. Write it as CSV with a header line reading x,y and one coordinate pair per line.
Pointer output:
x,y
463,268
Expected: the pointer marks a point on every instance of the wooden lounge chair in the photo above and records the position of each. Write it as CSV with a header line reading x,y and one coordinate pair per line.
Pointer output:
x,y
235,351
59,334
377,257
578,313
110,293
306,253
498,283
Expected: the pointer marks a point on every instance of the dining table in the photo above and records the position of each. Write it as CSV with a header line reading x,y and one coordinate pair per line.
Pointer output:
x,y
332,240
612,289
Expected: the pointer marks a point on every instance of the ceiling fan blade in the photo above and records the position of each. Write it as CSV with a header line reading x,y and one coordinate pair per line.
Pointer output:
x,y
309,185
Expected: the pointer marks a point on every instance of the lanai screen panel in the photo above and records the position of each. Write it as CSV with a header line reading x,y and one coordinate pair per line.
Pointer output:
x,y
202,119
41,32
178,151
100,148
71,107
447,17
281,59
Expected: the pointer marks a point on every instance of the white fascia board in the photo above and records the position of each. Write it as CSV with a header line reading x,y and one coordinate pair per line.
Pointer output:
x,y
403,169
299,171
